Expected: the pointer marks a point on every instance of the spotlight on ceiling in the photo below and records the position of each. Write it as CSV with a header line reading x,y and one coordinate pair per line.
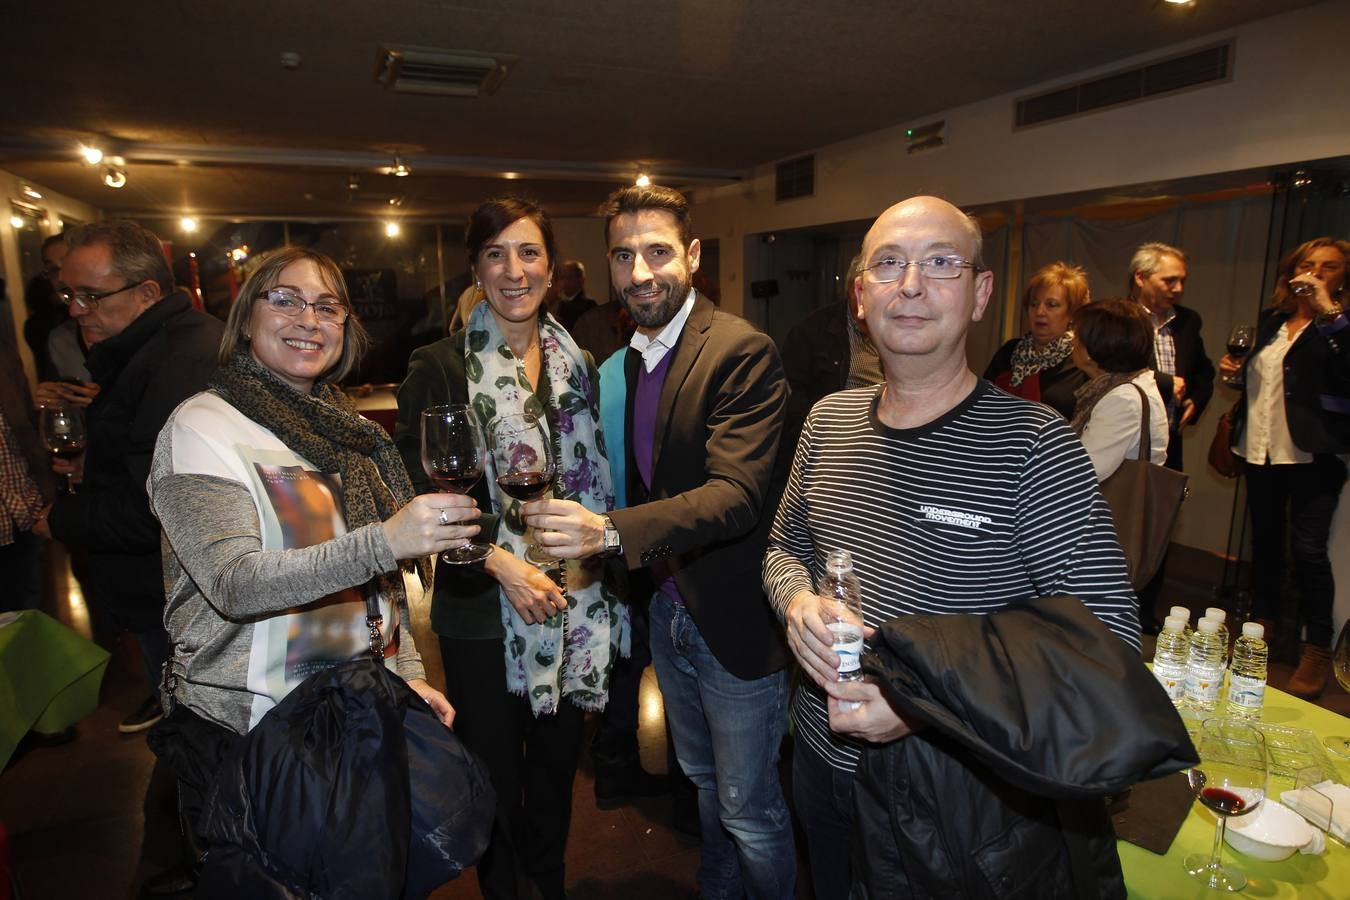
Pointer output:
x,y
643,180
398,169
188,224
114,177
511,176
16,222
239,254
391,229
91,155
30,193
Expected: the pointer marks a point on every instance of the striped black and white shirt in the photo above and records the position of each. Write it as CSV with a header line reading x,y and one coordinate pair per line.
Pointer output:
x,y
993,503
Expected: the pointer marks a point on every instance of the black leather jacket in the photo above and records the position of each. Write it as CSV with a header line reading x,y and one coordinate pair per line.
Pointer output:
x,y
1033,715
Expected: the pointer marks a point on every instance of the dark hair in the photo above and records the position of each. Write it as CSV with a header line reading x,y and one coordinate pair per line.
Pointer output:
x,y
494,216
355,338
630,200
1283,299
1059,274
137,253
53,239
1117,334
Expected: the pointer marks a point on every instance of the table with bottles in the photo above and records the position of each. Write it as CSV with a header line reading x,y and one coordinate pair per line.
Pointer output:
x,y
1303,876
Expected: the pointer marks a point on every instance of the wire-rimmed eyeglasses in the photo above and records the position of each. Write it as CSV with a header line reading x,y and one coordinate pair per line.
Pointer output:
x,y
889,269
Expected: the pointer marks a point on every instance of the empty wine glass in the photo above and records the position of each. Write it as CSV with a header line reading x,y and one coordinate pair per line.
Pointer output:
x,y
1229,781
1240,341
523,459
452,456
62,429
1340,667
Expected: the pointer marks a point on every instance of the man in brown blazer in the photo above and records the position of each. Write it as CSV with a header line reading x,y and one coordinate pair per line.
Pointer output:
x,y
705,402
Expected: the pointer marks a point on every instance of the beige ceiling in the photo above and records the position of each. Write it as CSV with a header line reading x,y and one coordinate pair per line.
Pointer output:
x,y
194,95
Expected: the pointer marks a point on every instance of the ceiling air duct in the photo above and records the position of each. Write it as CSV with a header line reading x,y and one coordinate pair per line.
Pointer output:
x,y
445,73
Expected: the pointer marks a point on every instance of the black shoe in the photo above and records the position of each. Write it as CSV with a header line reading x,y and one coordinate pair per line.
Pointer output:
x,y
147,715
173,883
622,786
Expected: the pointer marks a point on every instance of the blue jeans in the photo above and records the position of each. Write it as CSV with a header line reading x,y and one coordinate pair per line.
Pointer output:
x,y
727,732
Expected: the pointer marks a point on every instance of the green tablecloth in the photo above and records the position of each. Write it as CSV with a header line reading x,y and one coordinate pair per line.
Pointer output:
x,y
1303,877
49,678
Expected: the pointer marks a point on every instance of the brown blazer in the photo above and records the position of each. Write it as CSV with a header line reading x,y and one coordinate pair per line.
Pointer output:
x,y
708,513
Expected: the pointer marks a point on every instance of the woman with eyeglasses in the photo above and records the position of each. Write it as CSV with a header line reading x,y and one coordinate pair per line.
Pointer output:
x,y
1292,426
1039,365
282,508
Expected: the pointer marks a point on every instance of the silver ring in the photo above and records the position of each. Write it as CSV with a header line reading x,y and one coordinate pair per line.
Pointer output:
x,y
445,519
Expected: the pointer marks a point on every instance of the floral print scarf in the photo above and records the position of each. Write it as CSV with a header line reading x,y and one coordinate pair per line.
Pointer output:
x,y
570,655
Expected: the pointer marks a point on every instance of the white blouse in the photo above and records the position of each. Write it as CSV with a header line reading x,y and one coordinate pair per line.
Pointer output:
x,y
1266,439
1111,435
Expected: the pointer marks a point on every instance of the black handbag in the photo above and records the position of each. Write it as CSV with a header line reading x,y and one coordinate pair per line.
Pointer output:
x,y
349,787
1145,500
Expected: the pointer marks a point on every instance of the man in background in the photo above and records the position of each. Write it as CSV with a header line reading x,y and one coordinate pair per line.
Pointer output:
x,y
149,350
572,299
1157,281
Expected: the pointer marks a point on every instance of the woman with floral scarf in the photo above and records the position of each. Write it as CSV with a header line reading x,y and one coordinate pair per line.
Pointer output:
x,y
524,658
1039,365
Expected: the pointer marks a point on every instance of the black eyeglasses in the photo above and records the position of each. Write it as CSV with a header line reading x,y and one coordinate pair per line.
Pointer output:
x,y
87,301
289,303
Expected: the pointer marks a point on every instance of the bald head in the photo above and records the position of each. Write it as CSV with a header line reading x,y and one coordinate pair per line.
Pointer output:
x,y
932,214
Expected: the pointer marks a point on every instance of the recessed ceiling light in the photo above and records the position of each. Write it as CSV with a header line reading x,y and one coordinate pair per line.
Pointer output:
x,y
16,222
30,193
114,177
391,229
91,155
643,180
188,224
510,176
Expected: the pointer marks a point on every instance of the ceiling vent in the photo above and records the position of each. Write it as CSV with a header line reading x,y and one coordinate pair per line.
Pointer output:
x,y
444,73
1209,66
795,178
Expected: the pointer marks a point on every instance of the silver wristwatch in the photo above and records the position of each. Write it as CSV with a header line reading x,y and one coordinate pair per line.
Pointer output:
x,y
613,546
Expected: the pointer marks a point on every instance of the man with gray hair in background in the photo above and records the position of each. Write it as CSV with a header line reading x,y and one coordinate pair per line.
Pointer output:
x,y
149,350
1157,281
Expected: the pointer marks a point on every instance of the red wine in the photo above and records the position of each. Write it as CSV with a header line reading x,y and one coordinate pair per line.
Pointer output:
x,y
1238,350
1223,802
68,451
456,481
525,485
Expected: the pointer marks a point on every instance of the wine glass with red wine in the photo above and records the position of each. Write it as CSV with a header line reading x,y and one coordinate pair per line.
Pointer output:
x,y
1229,781
1340,667
452,457
62,430
1239,345
523,458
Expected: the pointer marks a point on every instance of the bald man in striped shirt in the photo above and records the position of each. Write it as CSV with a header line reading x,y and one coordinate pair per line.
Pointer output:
x,y
952,497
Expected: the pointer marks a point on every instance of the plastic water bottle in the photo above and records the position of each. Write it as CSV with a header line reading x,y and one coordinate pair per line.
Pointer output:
x,y
1220,616
1170,655
1184,614
1247,678
1204,667
842,612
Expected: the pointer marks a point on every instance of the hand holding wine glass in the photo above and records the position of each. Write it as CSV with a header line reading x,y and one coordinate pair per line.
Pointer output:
x,y
1240,341
62,429
523,458
1229,781
452,457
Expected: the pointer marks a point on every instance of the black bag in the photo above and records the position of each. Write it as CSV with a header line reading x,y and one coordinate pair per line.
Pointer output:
x,y
349,787
1145,500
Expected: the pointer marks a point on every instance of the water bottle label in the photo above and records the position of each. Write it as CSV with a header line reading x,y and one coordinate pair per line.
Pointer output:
x,y
1172,679
1246,693
1203,686
848,643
